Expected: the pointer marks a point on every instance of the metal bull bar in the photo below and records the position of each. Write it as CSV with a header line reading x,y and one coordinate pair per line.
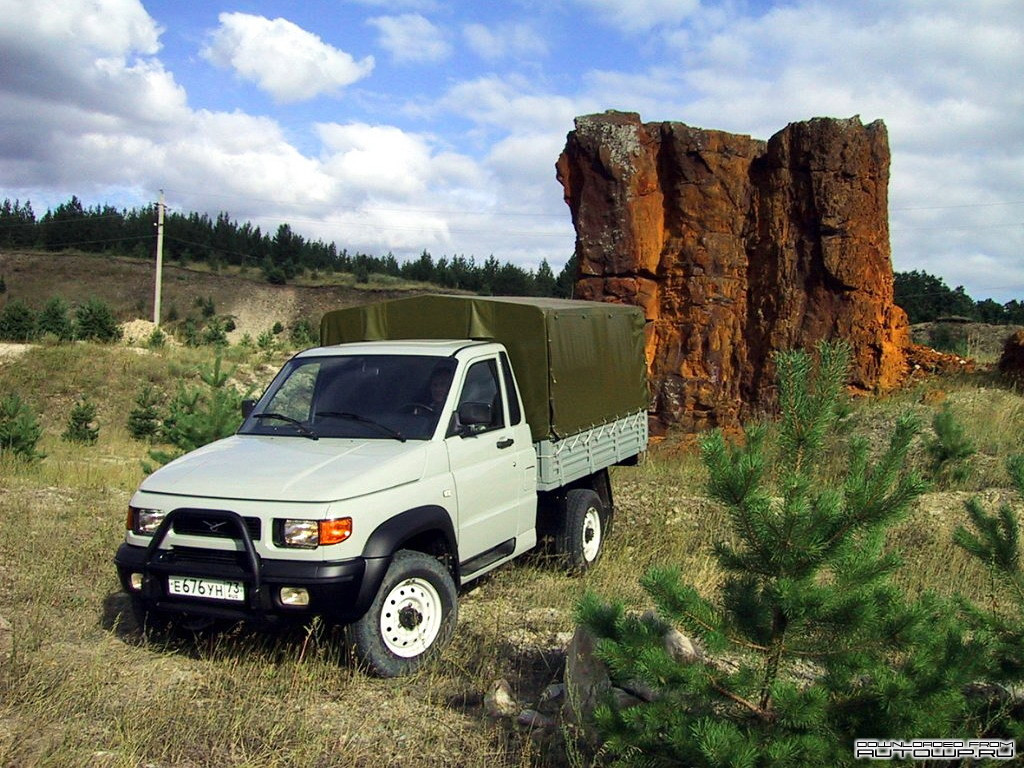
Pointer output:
x,y
162,562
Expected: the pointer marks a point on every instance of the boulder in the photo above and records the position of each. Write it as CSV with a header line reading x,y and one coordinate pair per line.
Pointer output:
x,y
499,701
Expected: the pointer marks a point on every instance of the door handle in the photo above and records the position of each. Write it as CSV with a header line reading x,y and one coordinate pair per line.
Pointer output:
x,y
506,443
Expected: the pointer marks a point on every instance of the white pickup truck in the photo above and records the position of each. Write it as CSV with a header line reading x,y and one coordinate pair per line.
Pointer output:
x,y
441,438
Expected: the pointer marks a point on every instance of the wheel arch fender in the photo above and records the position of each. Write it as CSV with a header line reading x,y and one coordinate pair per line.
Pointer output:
x,y
420,528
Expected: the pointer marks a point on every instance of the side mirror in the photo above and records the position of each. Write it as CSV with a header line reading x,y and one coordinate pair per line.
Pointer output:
x,y
248,406
473,417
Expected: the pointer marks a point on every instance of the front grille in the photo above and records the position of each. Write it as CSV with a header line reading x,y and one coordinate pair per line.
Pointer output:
x,y
198,555
196,523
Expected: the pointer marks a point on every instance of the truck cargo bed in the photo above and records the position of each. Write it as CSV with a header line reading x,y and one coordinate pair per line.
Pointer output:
x,y
559,462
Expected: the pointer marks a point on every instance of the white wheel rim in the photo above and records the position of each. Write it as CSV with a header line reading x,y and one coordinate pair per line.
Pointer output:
x,y
591,535
410,618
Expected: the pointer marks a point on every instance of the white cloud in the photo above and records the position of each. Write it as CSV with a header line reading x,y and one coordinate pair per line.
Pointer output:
x,y
506,103
283,59
105,27
411,37
642,15
505,41
375,158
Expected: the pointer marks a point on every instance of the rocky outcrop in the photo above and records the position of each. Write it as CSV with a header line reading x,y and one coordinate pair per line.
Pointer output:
x,y
735,248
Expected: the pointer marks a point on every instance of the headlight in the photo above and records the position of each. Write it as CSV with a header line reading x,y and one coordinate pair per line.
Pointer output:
x,y
144,522
310,534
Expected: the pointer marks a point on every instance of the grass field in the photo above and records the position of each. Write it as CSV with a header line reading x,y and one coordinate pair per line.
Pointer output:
x,y
77,689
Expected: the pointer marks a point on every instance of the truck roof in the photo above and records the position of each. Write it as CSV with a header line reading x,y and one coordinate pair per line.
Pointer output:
x,y
431,347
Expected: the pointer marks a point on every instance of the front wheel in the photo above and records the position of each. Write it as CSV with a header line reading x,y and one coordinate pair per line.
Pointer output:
x,y
581,530
411,618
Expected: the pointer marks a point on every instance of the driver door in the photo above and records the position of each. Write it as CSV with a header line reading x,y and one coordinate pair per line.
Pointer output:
x,y
484,466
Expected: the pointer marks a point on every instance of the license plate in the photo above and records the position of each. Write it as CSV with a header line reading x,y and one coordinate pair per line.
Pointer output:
x,y
210,589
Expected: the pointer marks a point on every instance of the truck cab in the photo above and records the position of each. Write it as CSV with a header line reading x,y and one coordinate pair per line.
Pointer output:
x,y
355,452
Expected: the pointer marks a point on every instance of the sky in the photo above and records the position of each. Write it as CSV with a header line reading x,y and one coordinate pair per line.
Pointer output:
x,y
403,125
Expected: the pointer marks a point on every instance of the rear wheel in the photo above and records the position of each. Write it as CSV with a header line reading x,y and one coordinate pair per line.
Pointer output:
x,y
411,618
580,536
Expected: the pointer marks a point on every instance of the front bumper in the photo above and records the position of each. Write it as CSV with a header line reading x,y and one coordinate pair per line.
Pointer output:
x,y
339,591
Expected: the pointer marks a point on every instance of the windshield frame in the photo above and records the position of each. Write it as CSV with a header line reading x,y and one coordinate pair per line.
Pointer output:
x,y
353,395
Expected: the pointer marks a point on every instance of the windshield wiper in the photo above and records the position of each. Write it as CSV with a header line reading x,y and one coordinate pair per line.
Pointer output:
x,y
303,429
363,420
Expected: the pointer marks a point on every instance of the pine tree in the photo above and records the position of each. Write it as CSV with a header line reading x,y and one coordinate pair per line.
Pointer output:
x,y
198,415
54,320
144,419
19,428
994,539
95,320
17,322
81,427
807,587
950,449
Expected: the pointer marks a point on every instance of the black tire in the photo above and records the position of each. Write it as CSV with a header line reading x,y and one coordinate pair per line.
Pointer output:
x,y
582,527
411,619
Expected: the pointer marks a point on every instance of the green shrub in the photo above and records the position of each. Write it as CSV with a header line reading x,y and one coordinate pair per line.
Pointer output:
x,y
190,333
94,321
277,329
54,320
17,322
3,284
81,427
214,335
206,306
19,428
157,339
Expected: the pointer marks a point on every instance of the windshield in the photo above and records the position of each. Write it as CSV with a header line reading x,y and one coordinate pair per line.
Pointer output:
x,y
386,397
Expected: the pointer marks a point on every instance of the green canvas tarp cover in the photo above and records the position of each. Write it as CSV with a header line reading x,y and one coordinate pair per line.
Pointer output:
x,y
578,363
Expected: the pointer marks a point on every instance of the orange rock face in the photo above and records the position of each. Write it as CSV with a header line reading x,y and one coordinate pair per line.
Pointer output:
x,y
736,248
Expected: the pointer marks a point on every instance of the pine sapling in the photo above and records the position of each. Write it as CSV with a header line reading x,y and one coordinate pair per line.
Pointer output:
x,y
994,539
198,415
807,586
950,450
144,418
81,426
19,429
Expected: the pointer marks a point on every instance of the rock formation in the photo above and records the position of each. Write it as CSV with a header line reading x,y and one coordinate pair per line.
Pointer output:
x,y
735,248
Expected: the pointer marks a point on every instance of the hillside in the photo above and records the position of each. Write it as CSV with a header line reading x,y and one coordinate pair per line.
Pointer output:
x,y
126,284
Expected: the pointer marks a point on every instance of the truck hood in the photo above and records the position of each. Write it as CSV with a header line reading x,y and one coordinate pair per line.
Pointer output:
x,y
266,468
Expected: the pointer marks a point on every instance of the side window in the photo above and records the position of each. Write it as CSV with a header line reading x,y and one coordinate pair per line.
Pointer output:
x,y
481,387
514,415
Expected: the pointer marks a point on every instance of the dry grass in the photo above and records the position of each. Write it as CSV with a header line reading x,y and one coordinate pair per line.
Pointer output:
x,y
77,691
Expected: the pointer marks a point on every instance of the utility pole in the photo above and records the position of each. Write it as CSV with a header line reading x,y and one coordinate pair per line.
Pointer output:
x,y
159,258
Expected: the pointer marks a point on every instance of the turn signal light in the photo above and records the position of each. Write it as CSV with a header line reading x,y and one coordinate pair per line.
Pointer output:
x,y
335,531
